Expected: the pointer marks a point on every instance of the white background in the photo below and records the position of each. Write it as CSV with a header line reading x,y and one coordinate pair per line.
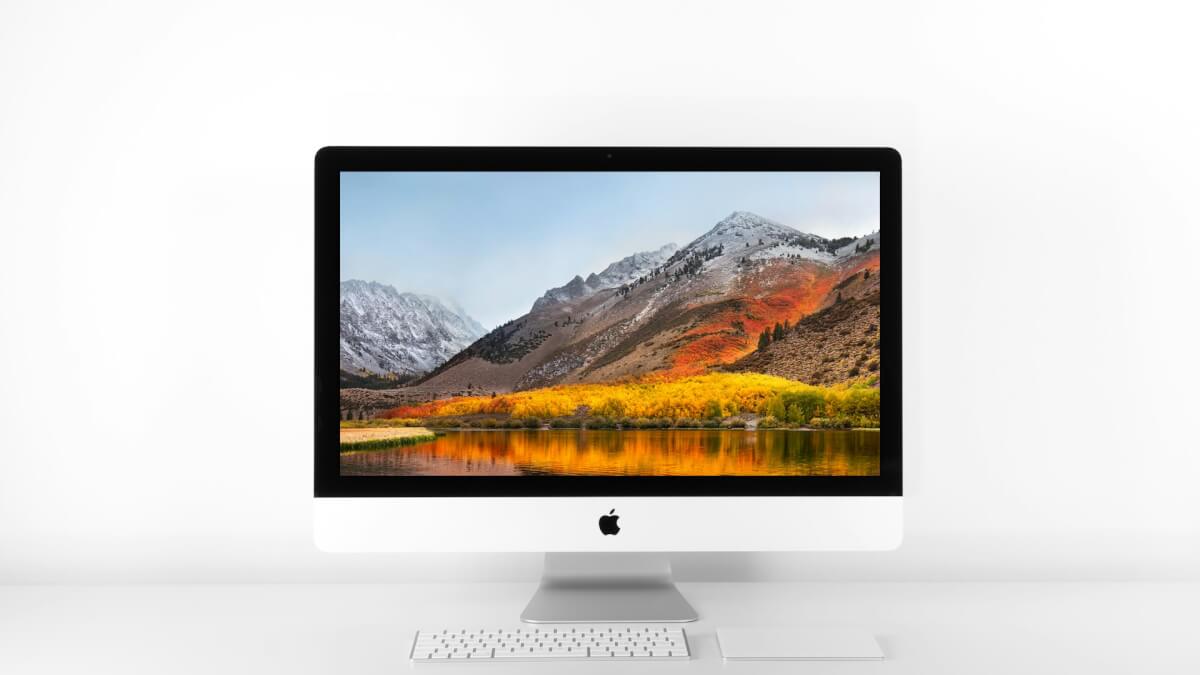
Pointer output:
x,y
156,256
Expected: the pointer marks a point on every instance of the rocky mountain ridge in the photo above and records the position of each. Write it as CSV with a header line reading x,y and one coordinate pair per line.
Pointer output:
x,y
385,332
617,274
674,311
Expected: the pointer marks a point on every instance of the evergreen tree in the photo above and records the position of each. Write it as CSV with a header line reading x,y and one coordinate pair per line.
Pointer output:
x,y
778,334
764,339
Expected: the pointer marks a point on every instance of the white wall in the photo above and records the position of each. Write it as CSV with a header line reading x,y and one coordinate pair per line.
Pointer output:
x,y
156,247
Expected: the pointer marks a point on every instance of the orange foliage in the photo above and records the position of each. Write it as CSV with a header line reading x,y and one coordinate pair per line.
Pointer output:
x,y
653,396
782,291
420,410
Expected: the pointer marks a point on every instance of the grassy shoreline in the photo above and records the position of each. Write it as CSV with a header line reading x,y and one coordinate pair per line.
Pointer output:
x,y
383,437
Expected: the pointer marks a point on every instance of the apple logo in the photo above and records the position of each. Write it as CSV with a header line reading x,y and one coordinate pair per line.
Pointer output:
x,y
608,524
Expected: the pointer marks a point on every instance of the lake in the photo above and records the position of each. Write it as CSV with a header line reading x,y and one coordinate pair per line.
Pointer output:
x,y
643,452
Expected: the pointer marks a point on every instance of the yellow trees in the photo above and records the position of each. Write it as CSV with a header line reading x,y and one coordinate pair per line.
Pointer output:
x,y
712,409
700,397
549,403
859,401
776,407
612,408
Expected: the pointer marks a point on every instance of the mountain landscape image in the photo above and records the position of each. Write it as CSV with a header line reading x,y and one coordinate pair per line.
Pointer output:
x,y
750,349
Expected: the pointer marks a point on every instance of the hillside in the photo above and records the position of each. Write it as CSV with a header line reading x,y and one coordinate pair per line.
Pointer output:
x,y
838,343
675,312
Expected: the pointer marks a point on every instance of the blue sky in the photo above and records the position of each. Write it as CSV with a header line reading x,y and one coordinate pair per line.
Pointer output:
x,y
493,242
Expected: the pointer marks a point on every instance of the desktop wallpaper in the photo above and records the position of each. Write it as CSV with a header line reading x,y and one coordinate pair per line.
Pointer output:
x,y
621,324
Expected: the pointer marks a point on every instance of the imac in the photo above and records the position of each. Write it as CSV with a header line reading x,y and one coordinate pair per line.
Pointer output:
x,y
607,354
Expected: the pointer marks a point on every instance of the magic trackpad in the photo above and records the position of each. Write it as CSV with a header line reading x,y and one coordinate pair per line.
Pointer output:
x,y
797,644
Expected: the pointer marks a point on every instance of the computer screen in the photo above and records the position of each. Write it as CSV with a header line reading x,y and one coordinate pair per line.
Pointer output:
x,y
518,325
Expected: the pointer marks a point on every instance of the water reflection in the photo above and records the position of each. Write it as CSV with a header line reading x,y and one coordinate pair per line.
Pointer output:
x,y
659,452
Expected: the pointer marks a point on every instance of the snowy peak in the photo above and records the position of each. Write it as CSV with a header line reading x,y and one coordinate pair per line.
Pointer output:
x,y
747,221
742,229
617,274
387,332
759,238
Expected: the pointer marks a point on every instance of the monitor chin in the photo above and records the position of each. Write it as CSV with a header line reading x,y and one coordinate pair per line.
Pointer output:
x,y
574,524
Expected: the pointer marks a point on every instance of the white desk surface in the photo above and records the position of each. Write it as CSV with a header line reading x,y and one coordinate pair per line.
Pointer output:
x,y
925,628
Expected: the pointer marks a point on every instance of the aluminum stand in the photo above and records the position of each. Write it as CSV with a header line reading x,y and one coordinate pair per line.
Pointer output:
x,y
607,588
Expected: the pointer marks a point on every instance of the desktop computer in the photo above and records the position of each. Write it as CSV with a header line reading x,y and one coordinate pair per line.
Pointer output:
x,y
606,355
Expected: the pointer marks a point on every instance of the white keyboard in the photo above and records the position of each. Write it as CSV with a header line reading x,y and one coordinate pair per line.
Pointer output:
x,y
553,642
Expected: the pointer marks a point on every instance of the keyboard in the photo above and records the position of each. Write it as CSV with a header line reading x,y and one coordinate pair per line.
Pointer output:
x,y
553,642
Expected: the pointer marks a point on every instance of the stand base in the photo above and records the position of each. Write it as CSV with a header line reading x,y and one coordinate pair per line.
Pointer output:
x,y
607,588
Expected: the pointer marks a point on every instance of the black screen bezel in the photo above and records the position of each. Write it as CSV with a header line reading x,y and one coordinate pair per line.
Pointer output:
x,y
331,161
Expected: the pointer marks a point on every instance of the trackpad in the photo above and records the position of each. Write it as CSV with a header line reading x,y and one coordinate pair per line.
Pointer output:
x,y
797,644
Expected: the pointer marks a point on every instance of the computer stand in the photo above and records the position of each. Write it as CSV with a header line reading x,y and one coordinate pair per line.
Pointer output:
x,y
607,588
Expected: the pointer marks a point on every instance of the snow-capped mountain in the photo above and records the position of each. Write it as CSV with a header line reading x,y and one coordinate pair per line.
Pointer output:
x,y
759,238
384,331
673,311
623,271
